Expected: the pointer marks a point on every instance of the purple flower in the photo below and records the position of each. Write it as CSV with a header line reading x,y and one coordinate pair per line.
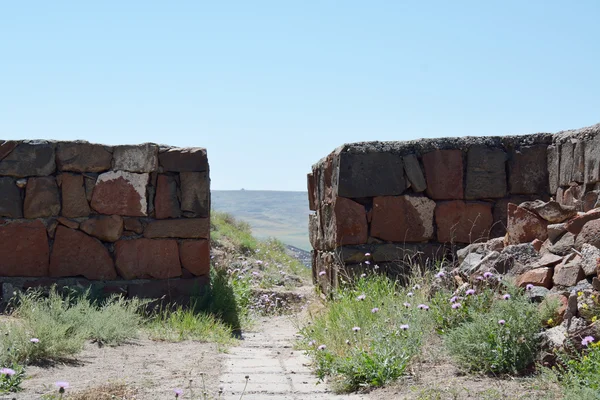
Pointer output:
x,y
404,327
488,275
348,342
375,310
423,307
506,296
409,294
587,340
367,262
367,254
470,292
7,371
259,262
529,286
355,329
440,274
322,347
501,322
62,386
178,392
406,305
479,278
361,297
453,299
312,343
34,340
456,305
322,273
417,287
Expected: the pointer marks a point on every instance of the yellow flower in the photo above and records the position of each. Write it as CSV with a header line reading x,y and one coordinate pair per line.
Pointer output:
x,y
593,296
579,294
550,321
594,318
584,306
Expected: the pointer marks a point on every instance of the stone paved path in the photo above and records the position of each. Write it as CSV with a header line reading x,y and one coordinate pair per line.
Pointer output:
x,y
276,369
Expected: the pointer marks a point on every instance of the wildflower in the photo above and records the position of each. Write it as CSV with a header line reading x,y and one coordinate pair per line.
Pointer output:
x,y
355,329
470,292
34,340
506,296
363,275
361,297
501,322
409,294
376,267
579,294
404,327
322,347
423,307
367,254
479,278
322,273
529,286
594,318
367,262
417,287
178,392
587,340
488,275
406,305
440,274
453,299
550,321
456,305
312,343
259,262
584,306
7,371
62,386
375,310
348,342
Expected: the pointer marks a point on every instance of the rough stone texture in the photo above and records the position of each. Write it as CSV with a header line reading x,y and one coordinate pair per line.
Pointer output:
x,y
578,162
41,198
120,193
460,222
537,277
138,158
589,259
590,200
590,233
75,253
551,211
82,157
89,182
592,160
576,224
486,174
105,228
24,249
348,223
524,226
312,197
186,228
527,170
11,204
133,225
444,173
143,258
68,223
553,159
407,218
362,175
555,230
195,256
573,196
564,244
500,213
74,200
547,260
569,272
6,147
315,235
195,194
29,159
414,173
566,163
166,202
184,160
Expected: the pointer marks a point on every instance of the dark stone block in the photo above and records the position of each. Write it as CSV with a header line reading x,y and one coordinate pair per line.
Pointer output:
x,y
11,204
29,159
370,174
486,174
528,171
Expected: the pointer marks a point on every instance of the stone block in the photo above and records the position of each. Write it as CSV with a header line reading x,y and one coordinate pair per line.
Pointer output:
x,y
144,258
89,183
590,200
537,277
578,162
76,254
195,256
41,198
195,194
24,249
11,203
589,259
444,174
6,147
184,160
29,159
524,226
312,197
407,218
185,228
500,213
461,222
551,211
314,236
592,160
348,223
172,290
486,173
569,272
556,230
106,228
136,158
67,222
553,161
566,163
573,196
166,202
576,224
563,245
133,225
120,193
528,171
74,199
370,174
590,234
414,173
83,157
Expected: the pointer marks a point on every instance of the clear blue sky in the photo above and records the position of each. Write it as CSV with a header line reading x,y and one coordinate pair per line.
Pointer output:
x,y
271,87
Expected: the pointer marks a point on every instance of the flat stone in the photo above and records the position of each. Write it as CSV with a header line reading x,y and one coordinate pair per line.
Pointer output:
x,y
29,159
566,163
460,222
68,223
11,203
133,225
500,213
590,200
553,160
471,262
24,249
41,198
569,272
82,157
360,175
414,173
195,256
143,258
551,211
6,147
527,171
444,173
555,230
537,277
590,234
74,253
105,228
166,203
524,226
576,224
347,224
573,196
120,193
578,162
590,259
486,173
171,290
184,160
547,260
563,245
538,293
195,194
74,200
185,228
136,158
407,218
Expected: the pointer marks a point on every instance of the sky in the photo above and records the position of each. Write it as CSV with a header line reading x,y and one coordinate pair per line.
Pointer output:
x,y
270,87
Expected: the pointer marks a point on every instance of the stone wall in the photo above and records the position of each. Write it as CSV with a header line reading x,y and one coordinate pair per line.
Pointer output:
x,y
127,219
423,199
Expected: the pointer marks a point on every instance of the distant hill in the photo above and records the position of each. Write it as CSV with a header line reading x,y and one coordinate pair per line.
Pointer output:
x,y
282,215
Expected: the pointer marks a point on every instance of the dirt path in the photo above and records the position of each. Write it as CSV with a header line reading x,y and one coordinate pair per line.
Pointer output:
x,y
275,369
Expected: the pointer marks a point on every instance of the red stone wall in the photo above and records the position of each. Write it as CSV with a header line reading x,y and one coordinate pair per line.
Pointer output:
x,y
130,219
426,198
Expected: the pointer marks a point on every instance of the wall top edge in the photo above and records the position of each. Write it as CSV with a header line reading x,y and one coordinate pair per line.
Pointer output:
x,y
161,147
